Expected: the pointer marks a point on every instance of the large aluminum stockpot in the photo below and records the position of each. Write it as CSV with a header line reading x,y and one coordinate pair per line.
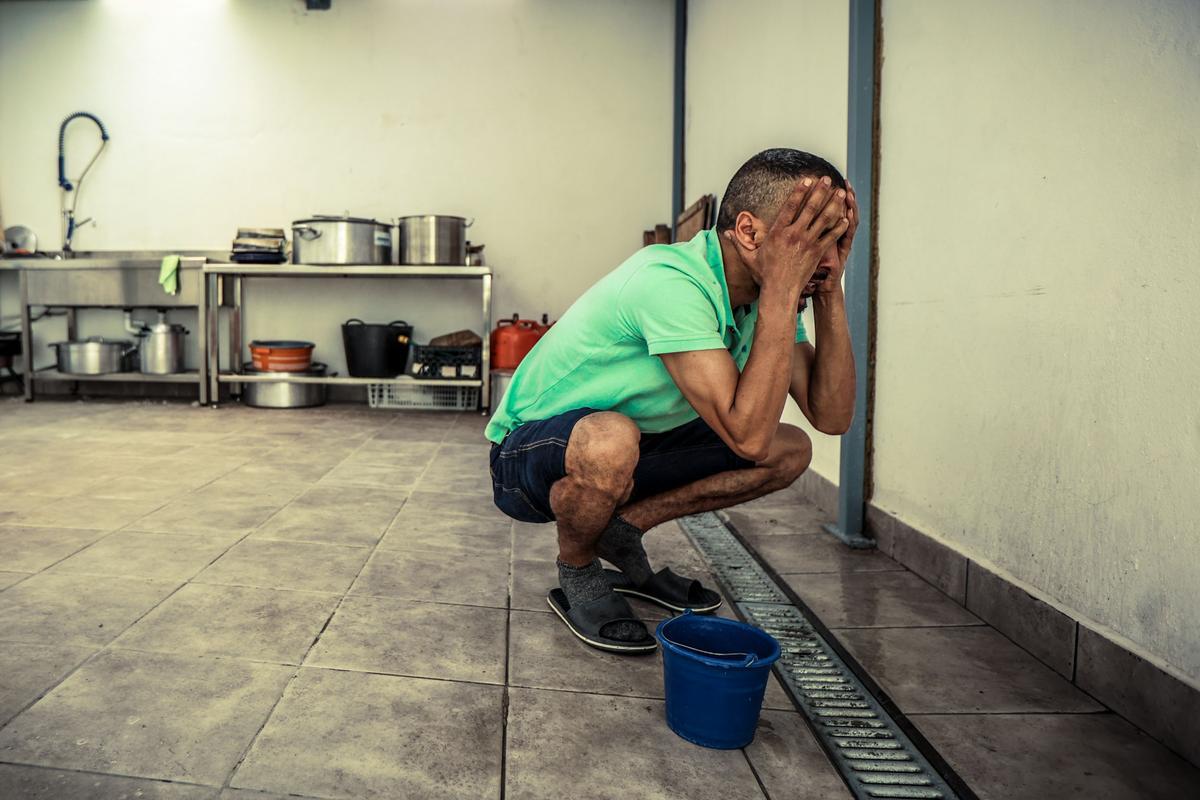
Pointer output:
x,y
433,239
283,393
328,240
161,349
95,356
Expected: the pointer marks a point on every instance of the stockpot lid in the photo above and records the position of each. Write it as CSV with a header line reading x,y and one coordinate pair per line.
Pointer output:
x,y
338,218
95,340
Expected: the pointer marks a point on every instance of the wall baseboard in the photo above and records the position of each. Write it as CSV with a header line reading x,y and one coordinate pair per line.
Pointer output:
x,y
1160,704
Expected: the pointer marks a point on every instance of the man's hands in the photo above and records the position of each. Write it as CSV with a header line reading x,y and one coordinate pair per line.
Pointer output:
x,y
833,282
811,220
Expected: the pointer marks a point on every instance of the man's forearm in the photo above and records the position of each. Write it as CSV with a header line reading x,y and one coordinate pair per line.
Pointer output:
x,y
763,384
831,388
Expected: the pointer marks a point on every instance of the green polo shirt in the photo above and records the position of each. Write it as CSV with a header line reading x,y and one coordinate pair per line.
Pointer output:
x,y
603,352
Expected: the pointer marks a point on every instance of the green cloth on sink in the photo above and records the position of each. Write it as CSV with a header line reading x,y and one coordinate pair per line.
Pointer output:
x,y
168,274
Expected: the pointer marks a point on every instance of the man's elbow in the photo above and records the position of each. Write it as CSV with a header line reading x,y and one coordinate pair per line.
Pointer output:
x,y
833,424
750,450
833,428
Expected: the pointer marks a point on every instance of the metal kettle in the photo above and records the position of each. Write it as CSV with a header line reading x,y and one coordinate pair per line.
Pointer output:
x,y
160,351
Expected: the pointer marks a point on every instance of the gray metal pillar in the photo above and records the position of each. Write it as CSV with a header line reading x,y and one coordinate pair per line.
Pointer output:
x,y
864,19
677,165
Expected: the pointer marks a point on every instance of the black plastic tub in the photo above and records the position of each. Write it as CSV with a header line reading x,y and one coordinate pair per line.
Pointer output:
x,y
376,351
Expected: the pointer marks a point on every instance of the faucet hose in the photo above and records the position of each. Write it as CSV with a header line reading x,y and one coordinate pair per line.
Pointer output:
x,y
62,137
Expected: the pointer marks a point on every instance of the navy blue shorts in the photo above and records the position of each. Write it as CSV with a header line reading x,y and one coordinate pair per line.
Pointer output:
x,y
534,456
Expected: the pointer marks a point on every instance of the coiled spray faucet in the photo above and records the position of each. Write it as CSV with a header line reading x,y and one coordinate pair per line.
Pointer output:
x,y
69,224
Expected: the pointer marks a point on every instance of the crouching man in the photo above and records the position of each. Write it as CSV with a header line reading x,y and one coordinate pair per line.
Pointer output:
x,y
659,392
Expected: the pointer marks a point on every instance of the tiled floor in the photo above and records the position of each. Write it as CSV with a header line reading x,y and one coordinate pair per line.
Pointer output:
x,y
325,604
236,604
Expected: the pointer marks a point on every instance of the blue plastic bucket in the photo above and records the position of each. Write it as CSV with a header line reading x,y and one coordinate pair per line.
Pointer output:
x,y
715,671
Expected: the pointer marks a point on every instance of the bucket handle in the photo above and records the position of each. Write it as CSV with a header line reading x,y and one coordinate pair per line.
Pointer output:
x,y
397,322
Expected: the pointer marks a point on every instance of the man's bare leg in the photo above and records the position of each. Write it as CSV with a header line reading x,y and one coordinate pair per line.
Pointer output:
x,y
789,456
602,453
601,456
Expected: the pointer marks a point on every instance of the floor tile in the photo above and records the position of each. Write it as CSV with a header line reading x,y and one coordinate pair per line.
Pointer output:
x,y
468,428
426,640
475,579
276,625
544,654
384,476
790,763
379,736
594,747
148,715
9,578
970,669
352,515
76,609
411,432
145,488
1002,756
377,450
40,783
458,473
767,520
531,581
801,553
279,468
144,555
34,549
212,512
287,565
251,794
456,533
425,501
85,512
28,670
877,600
535,541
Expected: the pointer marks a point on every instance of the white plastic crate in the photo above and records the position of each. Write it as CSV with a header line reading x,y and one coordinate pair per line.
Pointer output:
x,y
399,395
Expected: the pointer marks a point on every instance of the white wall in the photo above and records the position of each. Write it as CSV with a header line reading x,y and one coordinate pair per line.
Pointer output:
x,y
760,74
549,121
1037,379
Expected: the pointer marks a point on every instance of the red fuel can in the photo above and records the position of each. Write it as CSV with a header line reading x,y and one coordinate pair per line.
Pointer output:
x,y
513,339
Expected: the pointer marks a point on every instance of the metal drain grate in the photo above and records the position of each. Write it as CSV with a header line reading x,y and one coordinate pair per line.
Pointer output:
x,y
875,757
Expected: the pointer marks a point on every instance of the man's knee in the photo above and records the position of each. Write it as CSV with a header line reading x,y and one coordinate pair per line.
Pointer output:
x,y
603,451
791,453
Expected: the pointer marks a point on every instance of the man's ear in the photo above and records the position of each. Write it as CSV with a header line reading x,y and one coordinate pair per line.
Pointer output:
x,y
747,229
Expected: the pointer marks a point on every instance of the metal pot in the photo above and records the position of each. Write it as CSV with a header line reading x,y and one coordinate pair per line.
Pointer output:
x,y
95,356
433,239
285,394
331,240
161,349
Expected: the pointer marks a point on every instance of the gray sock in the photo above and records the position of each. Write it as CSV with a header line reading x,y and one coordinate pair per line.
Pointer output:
x,y
581,584
621,546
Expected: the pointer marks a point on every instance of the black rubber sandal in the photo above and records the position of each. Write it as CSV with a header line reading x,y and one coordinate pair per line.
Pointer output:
x,y
586,620
671,591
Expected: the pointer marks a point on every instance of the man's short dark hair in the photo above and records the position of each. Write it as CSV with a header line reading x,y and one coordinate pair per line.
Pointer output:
x,y
765,180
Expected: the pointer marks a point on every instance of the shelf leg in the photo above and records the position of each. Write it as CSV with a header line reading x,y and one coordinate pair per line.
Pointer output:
x,y
485,391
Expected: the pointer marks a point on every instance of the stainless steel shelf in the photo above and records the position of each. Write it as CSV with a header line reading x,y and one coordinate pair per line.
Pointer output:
x,y
284,377
355,270
52,374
